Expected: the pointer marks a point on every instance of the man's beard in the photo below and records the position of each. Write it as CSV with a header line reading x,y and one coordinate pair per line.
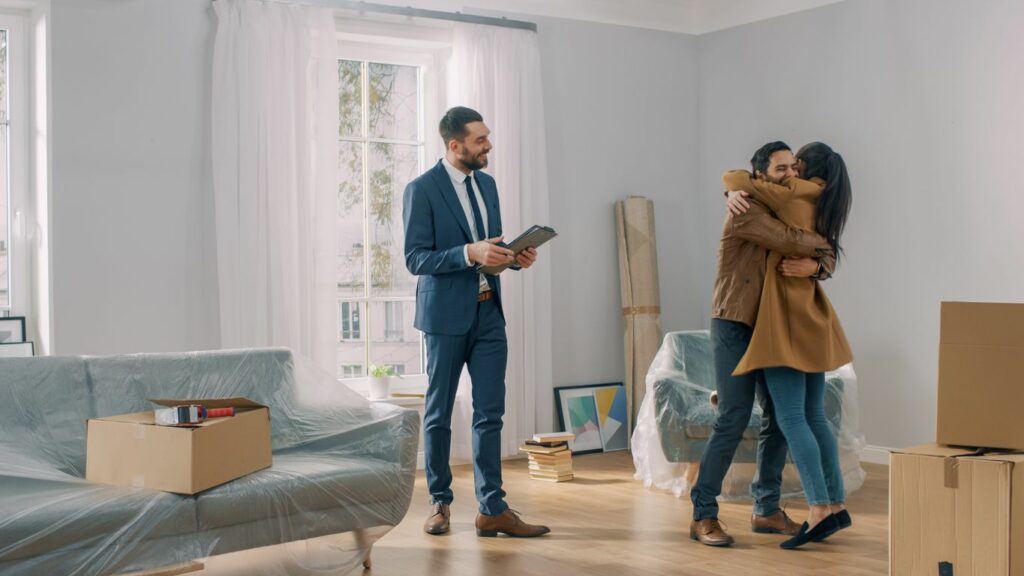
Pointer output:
x,y
474,163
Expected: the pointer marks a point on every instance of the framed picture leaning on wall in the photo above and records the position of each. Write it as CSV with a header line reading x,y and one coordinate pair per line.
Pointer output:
x,y
17,349
596,414
12,329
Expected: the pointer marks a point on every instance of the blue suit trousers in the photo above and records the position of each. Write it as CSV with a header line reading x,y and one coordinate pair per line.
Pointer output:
x,y
485,350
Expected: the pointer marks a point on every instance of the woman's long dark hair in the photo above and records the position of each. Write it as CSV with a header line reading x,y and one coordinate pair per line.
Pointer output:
x,y
820,161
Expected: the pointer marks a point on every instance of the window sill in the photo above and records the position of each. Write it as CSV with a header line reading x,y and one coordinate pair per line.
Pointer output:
x,y
404,401
413,384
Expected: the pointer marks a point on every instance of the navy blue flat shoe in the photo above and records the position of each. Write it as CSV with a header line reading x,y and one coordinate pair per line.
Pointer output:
x,y
844,519
824,529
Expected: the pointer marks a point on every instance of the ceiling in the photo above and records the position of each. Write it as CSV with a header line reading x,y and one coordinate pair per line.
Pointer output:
x,y
686,16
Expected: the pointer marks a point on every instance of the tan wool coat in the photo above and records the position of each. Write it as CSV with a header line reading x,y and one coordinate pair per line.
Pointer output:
x,y
796,325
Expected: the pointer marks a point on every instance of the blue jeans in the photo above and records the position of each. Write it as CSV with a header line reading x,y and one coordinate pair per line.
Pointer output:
x,y
736,394
799,400
485,349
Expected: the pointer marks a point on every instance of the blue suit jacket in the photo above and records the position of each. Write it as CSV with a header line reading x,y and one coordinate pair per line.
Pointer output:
x,y
436,230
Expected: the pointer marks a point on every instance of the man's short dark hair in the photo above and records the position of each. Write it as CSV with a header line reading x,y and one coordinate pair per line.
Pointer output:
x,y
763,156
453,125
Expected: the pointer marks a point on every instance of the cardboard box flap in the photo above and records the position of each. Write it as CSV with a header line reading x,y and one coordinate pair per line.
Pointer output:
x,y
937,451
238,402
984,324
133,418
1010,457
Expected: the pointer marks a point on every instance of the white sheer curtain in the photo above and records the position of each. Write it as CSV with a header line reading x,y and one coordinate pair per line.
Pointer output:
x,y
496,71
275,125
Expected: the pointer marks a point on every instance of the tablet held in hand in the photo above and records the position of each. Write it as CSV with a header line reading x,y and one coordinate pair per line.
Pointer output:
x,y
533,237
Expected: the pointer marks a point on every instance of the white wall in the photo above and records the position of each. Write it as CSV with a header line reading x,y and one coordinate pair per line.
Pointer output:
x,y
132,211
621,109
923,99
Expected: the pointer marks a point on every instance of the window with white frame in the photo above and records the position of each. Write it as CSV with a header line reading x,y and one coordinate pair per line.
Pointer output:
x,y
5,188
383,94
14,193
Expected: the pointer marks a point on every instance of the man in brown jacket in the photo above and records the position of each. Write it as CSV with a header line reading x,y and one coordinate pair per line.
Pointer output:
x,y
750,231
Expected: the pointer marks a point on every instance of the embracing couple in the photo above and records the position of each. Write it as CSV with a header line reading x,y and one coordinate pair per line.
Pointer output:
x,y
774,334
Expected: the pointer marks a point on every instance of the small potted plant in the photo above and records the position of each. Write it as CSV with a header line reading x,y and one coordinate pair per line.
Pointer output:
x,y
380,380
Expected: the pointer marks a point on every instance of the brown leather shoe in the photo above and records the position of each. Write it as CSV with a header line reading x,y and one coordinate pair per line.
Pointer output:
x,y
778,523
508,522
709,532
439,521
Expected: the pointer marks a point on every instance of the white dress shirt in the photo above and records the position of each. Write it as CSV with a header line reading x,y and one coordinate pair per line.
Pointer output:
x,y
459,183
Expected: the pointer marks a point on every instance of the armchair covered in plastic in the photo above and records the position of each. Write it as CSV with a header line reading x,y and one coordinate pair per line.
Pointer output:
x,y
341,466
676,417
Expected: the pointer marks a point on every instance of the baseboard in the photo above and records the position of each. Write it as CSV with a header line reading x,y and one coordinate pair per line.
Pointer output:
x,y
875,455
870,454
420,460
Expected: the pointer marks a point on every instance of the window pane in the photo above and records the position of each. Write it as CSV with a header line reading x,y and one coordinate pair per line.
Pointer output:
x,y
350,97
393,327
393,101
391,167
351,341
350,263
394,341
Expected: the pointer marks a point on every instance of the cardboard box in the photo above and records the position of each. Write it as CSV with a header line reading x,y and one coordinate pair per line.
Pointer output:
x,y
981,375
131,450
954,513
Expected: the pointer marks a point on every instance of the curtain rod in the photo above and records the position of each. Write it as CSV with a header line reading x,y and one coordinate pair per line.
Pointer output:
x,y
360,6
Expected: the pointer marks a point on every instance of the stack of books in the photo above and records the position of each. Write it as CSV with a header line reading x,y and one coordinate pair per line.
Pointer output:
x,y
550,458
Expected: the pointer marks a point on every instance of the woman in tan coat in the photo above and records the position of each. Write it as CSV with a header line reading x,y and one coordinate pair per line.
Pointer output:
x,y
797,336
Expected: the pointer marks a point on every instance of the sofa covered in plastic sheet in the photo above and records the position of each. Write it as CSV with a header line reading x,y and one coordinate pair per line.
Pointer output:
x,y
676,418
340,465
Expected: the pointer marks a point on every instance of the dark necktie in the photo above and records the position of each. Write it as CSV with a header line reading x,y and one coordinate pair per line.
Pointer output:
x,y
477,218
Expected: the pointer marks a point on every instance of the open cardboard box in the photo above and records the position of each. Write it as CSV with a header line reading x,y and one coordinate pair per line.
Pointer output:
x,y
131,450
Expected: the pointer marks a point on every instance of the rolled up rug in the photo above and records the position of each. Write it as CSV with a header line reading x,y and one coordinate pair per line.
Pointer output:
x,y
641,302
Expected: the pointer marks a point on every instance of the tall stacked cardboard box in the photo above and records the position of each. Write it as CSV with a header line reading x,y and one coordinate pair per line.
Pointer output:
x,y
956,507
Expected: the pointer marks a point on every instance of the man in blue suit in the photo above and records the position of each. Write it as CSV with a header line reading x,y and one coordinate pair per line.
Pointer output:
x,y
453,226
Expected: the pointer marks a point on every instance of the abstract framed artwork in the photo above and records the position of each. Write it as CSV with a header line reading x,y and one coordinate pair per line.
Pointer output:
x,y
596,414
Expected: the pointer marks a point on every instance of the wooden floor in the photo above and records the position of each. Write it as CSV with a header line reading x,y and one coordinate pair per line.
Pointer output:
x,y
604,523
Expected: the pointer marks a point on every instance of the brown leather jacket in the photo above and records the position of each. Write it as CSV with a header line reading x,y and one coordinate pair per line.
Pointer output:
x,y
743,253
